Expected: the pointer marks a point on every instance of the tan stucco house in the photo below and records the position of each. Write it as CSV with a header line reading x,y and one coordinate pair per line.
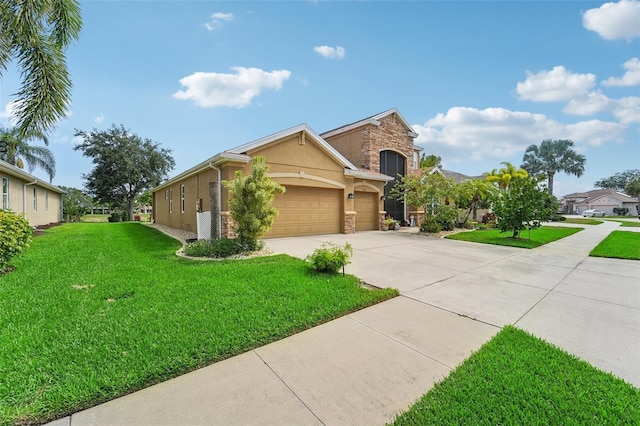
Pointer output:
x,y
602,199
22,193
336,181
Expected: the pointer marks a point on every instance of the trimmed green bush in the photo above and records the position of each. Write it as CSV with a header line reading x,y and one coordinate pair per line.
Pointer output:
x,y
220,248
430,225
330,257
15,235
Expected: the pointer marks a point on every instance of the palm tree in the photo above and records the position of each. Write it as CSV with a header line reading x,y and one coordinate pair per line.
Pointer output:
x,y
504,176
553,156
35,34
473,192
17,151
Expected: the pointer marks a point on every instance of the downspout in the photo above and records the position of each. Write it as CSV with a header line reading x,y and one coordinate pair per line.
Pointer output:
x,y
219,183
24,197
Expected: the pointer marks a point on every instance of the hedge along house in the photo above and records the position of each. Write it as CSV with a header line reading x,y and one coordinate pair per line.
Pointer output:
x,y
326,192
22,193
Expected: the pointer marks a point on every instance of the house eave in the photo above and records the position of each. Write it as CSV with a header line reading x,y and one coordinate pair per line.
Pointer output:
x,y
21,174
216,160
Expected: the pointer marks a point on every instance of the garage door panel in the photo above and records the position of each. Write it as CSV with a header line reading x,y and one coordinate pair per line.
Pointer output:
x,y
307,211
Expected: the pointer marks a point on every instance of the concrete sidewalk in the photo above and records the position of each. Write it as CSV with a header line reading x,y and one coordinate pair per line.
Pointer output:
x,y
368,366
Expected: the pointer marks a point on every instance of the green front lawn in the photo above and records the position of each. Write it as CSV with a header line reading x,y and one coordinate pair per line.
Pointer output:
x,y
97,310
521,380
619,244
626,223
583,221
528,239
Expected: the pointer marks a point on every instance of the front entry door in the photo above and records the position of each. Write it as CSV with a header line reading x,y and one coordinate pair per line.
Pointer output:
x,y
392,164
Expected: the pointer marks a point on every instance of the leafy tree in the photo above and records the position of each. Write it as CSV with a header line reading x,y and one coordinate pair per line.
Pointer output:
x,y
426,190
125,165
431,160
35,34
75,204
618,181
553,156
472,193
16,150
632,188
503,177
252,204
523,205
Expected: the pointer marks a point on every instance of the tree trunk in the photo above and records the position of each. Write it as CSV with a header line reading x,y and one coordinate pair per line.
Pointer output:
x,y
130,210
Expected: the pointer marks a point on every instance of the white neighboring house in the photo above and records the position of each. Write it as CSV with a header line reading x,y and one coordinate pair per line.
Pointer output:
x,y
39,201
601,199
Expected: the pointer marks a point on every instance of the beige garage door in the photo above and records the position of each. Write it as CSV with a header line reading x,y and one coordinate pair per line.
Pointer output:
x,y
366,204
307,211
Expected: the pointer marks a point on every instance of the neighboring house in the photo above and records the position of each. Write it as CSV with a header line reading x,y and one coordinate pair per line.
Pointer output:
x,y
22,193
602,199
336,182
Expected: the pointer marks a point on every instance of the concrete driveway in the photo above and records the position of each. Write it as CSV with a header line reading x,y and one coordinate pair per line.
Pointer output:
x,y
588,306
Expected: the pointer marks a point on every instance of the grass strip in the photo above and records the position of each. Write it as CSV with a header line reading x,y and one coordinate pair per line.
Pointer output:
x,y
519,379
626,223
97,310
619,245
528,239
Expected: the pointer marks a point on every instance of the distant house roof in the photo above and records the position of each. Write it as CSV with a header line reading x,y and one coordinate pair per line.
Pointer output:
x,y
374,120
12,170
586,197
457,177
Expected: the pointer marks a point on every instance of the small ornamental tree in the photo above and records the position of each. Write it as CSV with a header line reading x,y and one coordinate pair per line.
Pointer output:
x,y
15,235
523,205
252,204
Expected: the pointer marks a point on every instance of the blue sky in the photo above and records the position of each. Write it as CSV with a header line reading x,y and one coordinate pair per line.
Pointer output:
x,y
479,81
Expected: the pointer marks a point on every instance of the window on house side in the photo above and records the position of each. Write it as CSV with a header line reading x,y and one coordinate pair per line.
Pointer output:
x,y
46,201
181,198
35,199
5,193
171,201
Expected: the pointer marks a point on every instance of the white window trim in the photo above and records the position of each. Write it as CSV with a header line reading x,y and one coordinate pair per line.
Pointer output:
x,y
5,195
170,201
181,198
35,199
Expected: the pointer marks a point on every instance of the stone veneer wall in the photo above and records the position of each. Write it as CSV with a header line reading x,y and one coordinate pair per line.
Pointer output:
x,y
350,223
227,224
389,135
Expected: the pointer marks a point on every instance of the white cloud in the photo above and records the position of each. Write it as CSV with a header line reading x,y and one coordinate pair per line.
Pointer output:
x,y
329,52
630,78
614,20
464,133
594,132
210,89
217,19
627,110
9,112
559,84
99,119
589,104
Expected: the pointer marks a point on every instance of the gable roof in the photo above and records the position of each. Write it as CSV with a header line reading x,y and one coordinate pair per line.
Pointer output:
x,y
322,144
12,170
373,120
239,154
597,193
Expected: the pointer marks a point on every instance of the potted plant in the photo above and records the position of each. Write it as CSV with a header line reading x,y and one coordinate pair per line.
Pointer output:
x,y
388,223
